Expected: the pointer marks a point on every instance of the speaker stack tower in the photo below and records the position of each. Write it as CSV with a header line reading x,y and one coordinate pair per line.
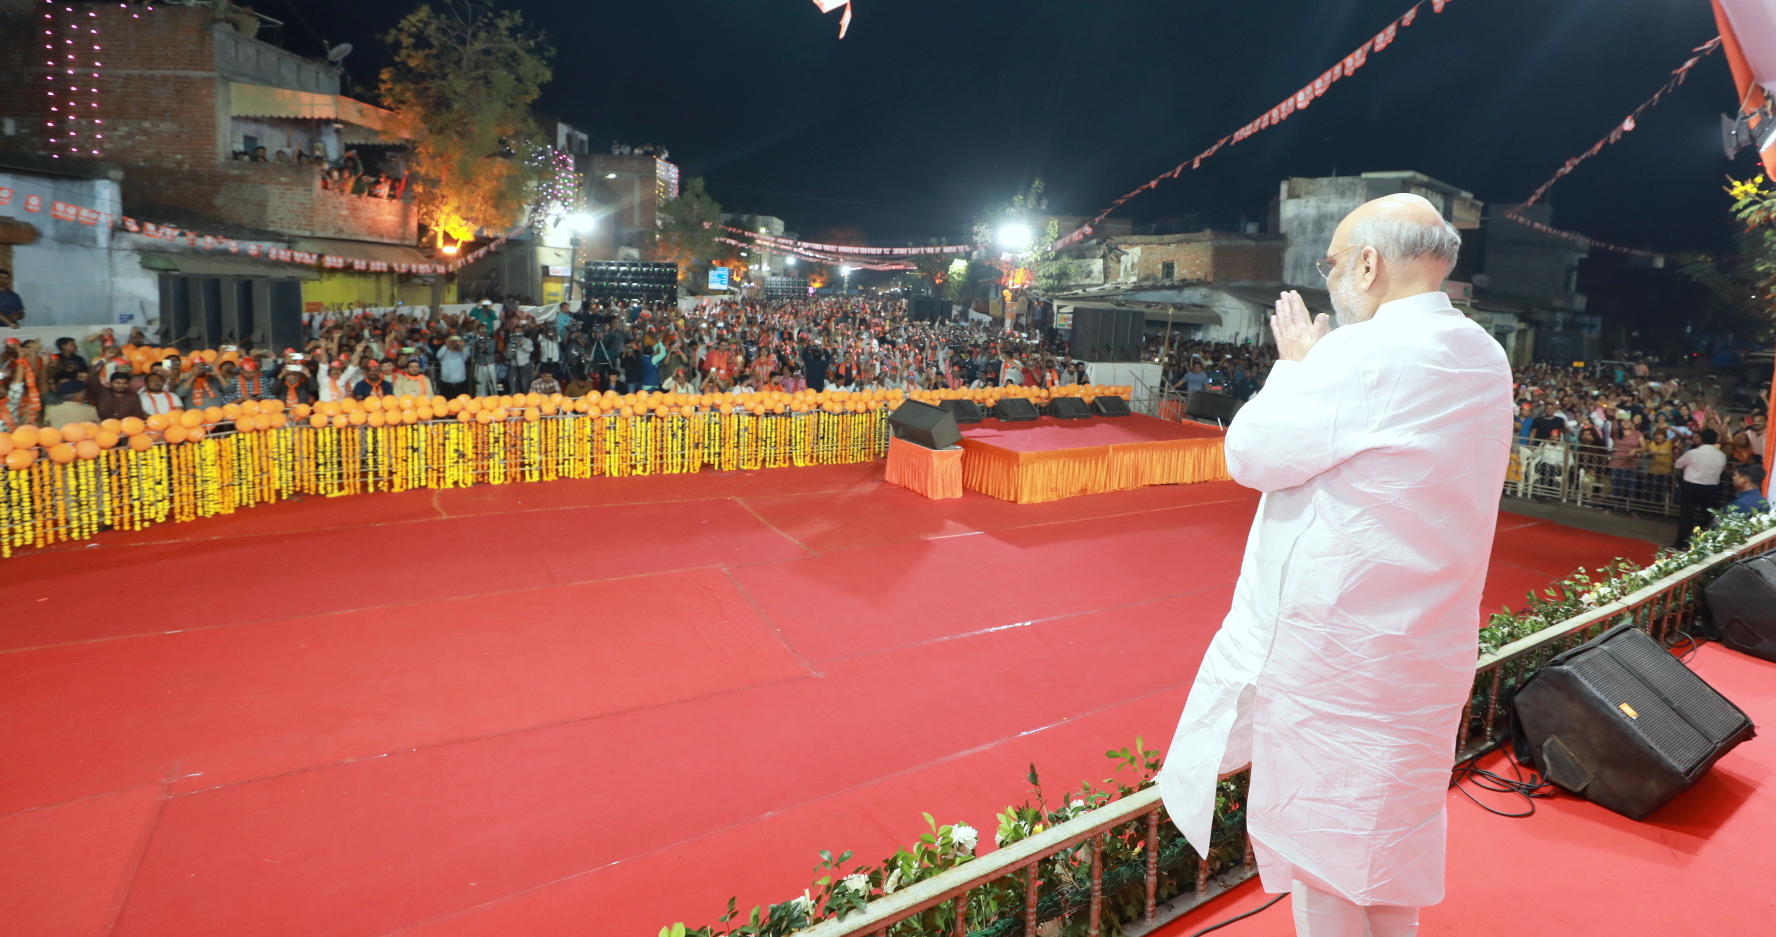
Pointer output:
x,y
1107,334
645,281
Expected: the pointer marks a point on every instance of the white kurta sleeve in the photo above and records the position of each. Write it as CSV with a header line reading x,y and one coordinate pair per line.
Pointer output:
x,y
1311,416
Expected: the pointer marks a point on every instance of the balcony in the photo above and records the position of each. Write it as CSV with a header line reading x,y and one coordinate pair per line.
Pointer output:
x,y
288,197
243,58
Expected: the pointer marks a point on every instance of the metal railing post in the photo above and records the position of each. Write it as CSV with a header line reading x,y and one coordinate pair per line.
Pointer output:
x,y
1096,911
1152,864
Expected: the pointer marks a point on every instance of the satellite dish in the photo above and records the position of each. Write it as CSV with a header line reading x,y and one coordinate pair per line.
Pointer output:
x,y
337,54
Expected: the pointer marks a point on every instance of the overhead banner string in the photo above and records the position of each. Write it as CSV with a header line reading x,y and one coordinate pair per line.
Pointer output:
x,y
1300,100
1614,136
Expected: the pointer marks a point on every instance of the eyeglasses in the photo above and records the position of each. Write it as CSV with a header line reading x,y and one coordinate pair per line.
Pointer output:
x,y
1325,264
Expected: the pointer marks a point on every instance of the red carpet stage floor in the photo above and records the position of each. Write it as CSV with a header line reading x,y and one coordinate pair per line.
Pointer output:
x,y
596,707
1700,867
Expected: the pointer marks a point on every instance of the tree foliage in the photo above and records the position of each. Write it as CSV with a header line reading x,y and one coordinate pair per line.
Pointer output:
x,y
932,267
1049,271
689,226
463,78
1744,283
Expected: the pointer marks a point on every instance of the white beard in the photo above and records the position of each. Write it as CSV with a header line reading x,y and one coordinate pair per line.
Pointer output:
x,y
1349,304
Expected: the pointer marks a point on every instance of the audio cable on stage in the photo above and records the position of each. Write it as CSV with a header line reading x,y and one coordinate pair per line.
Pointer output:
x,y
1536,786
1240,917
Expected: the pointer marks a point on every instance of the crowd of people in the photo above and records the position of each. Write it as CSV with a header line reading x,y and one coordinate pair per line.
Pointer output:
x,y
1625,438
349,175
744,347
1631,438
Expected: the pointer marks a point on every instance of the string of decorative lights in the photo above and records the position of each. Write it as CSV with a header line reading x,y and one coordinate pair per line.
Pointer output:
x,y
73,55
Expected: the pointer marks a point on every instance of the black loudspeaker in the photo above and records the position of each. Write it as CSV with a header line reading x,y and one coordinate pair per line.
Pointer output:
x,y
1110,406
1742,607
928,309
922,423
1107,334
1211,408
1069,408
1015,409
1622,723
965,411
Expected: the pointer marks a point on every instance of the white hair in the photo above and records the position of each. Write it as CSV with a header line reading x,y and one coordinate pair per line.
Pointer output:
x,y
1399,239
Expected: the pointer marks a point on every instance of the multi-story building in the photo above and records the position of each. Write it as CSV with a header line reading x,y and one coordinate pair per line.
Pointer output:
x,y
220,132
1309,210
1207,285
624,191
1536,275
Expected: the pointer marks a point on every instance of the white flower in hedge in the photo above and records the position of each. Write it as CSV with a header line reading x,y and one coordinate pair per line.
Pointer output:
x,y
965,837
805,902
1588,598
857,882
891,884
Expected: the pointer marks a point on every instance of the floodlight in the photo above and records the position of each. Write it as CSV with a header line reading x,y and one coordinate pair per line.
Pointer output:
x,y
1015,236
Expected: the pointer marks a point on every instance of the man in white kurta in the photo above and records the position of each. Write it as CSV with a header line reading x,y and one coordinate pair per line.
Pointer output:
x,y
1340,673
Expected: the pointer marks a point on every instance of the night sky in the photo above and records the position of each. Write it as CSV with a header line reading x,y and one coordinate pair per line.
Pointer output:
x,y
931,109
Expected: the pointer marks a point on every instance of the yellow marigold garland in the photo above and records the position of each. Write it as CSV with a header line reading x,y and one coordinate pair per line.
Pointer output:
x,y
529,439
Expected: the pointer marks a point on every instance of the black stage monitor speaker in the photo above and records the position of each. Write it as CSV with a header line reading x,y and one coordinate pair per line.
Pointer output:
x,y
1211,408
965,411
922,423
1622,723
1069,408
1110,406
1015,409
1107,334
1742,607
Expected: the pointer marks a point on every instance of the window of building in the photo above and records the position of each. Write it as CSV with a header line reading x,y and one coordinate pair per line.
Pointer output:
x,y
1168,270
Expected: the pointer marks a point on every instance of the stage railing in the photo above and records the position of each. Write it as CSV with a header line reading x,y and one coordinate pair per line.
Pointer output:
x,y
1066,871
1662,608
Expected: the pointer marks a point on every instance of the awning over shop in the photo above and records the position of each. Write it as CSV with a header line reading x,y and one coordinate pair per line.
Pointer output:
x,y
1156,312
246,100
211,264
364,250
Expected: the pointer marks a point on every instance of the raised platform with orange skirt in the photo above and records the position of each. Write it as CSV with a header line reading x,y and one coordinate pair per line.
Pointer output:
x,y
1049,459
934,473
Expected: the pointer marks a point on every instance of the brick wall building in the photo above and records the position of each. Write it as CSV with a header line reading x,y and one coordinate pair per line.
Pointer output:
x,y
171,96
180,90
1200,257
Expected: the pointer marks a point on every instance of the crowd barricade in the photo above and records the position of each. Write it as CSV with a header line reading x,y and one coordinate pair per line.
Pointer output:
x,y
126,488
1582,476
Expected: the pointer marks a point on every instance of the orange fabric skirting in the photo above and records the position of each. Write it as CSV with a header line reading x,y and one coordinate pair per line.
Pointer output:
x,y
934,473
1031,477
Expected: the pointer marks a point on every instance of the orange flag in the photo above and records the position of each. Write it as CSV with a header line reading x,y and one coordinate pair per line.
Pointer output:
x,y
827,6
